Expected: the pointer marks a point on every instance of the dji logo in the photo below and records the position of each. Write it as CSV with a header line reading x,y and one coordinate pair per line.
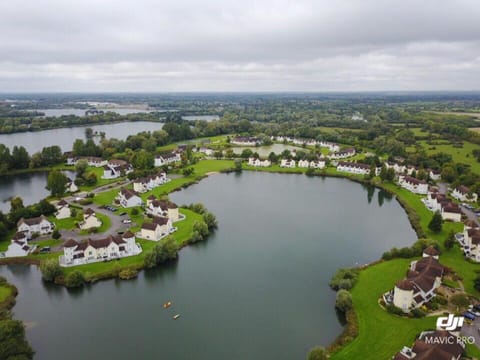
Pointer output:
x,y
450,323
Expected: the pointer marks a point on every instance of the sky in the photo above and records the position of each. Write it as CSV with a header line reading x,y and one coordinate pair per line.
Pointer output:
x,y
225,45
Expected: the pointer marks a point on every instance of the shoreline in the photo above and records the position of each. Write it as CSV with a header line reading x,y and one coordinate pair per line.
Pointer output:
x,y
348,333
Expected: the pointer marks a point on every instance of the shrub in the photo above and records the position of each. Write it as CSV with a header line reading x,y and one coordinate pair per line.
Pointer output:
x,y
56,234
127,274
134,211
418,313
344,279
50,269
460,300
394,310
87,201
343,301
317,353
74,279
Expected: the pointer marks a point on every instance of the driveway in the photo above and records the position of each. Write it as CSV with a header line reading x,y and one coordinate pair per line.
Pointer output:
x,y
472,330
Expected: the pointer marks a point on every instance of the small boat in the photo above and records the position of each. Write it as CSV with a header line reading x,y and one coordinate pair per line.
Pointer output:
x,y
175,317
167,305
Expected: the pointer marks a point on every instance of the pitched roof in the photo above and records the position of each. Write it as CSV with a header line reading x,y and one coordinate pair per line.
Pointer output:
x,y
32,221
405,285
127,235
462,189
70,243
127,193
160,220
431,251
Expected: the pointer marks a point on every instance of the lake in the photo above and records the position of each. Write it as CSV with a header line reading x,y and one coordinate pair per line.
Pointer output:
x,y
201,117
257,289
81,112
64,137
30,187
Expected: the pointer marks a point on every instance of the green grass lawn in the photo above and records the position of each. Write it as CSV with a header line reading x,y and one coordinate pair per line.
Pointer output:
x,y
100,182
107,197
459,155
4,293
66,224
381,334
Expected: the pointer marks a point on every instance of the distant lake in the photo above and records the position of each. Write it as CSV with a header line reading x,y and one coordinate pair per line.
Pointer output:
x,y
30,187
257,289
64,137
264,151
201,117
81,112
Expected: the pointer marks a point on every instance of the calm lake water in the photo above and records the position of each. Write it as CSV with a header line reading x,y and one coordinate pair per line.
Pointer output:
x,y
257,289
30,187
81,112
64,137
201,117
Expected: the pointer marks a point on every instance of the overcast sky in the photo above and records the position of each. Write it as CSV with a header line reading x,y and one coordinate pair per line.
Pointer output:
x,y
240,45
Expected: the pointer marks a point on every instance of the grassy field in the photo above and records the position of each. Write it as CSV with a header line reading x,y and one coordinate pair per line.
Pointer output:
x,y
381,334
459,155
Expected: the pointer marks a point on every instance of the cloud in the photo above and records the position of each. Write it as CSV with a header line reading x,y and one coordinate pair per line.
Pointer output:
x,y
147,45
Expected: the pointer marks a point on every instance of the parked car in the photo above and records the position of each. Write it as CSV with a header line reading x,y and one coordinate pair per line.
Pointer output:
x,y
468,315
473,310
126,221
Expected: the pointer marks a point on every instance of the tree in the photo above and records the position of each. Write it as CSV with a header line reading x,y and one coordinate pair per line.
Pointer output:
x,y
56,234
20,157
436,223
246,153
238,165
13,344
188,171
80,167
390,174
89,133
449,174
56,183
50,269
383,173
450,240
143,160
343,301
210,220
74,279
317,353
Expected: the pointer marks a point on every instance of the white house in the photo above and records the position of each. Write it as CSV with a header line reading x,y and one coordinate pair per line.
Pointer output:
x,y
259,163
116,168
19,246
317,164
38,225
167,158
150,182
245,141
207,151
423,278
70,186
90,220
413,185
63,210
333,147
303,163
472,242
109,248
434,345
435,175
157,229
451,211
286,163
128,198
353,168
397,168
91,160
343,154
163,208
463,193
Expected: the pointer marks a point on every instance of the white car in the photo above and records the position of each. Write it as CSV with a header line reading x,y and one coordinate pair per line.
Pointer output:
x,y
126,221
473,311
